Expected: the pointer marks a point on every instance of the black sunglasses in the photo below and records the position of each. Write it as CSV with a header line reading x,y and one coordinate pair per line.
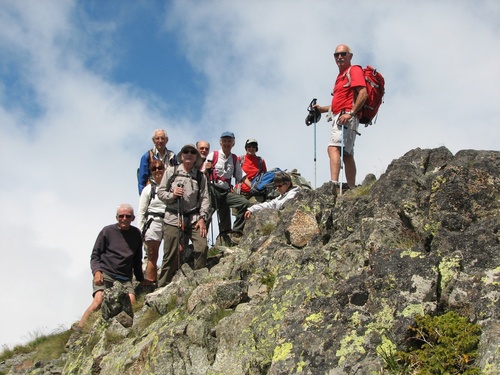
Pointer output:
x,y
128,216
192,152
337,54
154,169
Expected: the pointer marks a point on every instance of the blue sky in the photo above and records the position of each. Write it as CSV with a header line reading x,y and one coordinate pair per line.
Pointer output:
x,y
83,84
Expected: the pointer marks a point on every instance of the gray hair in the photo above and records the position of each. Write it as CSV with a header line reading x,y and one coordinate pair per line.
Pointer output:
x,y
125,206
159,130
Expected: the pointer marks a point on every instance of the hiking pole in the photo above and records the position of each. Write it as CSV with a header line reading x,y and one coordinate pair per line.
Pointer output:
x,y
312,118
180,224
213,201
216,204
341,159
315,151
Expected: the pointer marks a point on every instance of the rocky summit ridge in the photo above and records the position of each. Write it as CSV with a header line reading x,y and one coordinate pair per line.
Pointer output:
x,y
325,286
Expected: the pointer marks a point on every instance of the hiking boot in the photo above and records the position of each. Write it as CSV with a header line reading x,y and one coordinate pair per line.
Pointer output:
x,y
334,188
146,287
236,237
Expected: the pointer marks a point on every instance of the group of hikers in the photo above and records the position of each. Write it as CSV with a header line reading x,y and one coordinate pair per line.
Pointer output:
x,y
179,194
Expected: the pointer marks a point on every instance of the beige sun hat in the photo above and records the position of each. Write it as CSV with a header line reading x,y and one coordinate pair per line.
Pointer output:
x,y
199,160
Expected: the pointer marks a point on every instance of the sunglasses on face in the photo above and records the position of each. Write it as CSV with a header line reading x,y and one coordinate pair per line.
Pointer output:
x,y
251,146
154,169
122,216
192,152
337,54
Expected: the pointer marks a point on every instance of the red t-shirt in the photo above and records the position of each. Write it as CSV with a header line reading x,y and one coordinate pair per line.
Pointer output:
x,y
251,167
343,97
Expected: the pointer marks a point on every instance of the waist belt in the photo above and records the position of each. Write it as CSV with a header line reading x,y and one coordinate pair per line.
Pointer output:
x,y
185,214
157,214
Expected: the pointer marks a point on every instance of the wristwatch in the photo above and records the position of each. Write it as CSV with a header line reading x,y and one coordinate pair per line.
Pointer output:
x,y
351,113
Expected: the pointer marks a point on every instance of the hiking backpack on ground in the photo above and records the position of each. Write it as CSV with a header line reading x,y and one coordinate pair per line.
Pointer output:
x,y
300,181
375,86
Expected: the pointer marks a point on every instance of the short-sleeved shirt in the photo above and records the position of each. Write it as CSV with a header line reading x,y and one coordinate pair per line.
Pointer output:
x,y
343,97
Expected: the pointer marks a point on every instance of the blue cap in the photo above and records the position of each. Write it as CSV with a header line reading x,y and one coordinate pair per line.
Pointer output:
x,y
227,134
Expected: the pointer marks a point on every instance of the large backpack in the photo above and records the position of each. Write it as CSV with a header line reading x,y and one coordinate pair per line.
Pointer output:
x,y
299,180
263,184
375,86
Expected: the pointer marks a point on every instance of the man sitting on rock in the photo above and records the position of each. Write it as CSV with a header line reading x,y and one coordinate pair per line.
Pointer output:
x,y
116,255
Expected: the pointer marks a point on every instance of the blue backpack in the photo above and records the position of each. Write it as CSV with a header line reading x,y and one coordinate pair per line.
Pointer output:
x,y
263,184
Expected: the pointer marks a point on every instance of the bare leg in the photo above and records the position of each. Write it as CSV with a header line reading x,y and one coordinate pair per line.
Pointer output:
x,y
350,170
132,298
334,155
153,248
94,306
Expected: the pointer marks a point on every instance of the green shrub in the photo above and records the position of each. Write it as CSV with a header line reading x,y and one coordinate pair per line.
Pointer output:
x,y
445,344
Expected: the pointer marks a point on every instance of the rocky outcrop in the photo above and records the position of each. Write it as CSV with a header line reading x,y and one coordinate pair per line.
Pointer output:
x,y
323,285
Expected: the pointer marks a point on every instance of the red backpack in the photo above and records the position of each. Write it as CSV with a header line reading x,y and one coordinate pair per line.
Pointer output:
x,y
375,85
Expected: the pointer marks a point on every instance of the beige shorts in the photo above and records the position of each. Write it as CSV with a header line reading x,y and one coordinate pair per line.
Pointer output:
x,y
155,230
350,130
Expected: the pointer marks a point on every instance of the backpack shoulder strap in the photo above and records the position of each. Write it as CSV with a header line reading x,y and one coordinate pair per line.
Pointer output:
x,y
199,178
213,175
171,179
235,161
152,193
260,164
348,75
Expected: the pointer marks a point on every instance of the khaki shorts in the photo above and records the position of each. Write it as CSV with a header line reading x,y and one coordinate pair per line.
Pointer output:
x,y
108,283
350,130
155,230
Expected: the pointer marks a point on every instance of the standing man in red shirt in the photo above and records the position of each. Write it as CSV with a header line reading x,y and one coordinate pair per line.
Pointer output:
x,y
349,95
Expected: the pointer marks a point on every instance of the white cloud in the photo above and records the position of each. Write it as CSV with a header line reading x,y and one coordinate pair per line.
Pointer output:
x,y
71,137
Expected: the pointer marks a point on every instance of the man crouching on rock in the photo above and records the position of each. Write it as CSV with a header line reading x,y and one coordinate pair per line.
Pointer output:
x,y
117,252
